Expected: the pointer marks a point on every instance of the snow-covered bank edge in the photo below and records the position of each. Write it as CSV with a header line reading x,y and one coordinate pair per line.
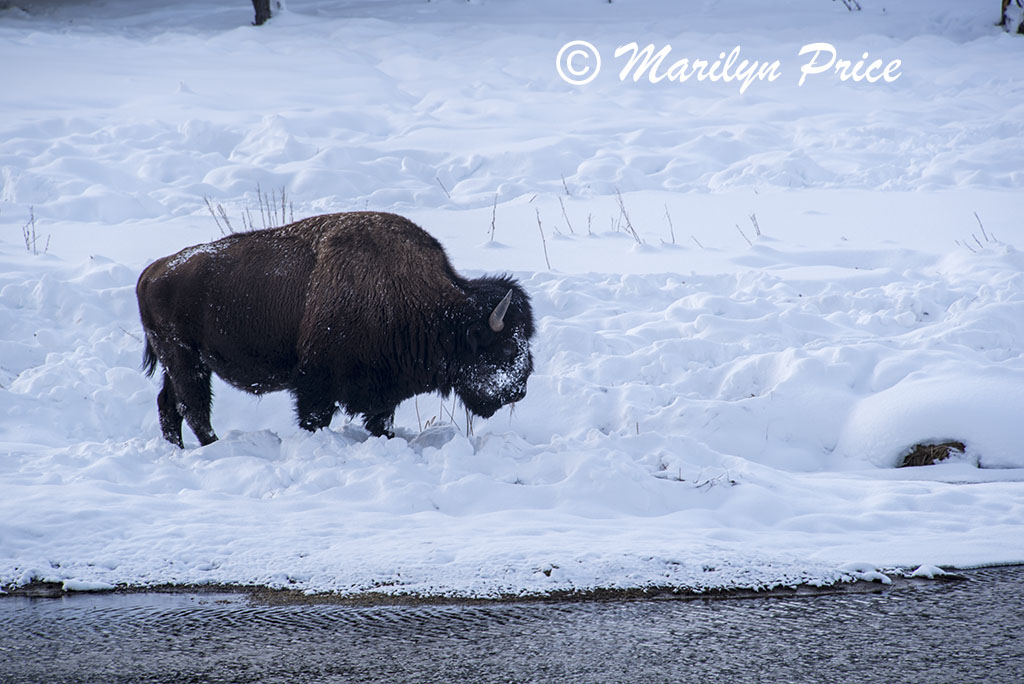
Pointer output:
x,y
859,580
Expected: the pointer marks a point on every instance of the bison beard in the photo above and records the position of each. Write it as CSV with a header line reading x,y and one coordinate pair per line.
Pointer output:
x,y
358,310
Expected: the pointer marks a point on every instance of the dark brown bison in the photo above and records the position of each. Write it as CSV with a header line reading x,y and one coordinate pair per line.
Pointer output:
x,y
358,310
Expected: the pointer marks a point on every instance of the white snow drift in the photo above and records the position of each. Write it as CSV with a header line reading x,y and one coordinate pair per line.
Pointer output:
x,y
711,407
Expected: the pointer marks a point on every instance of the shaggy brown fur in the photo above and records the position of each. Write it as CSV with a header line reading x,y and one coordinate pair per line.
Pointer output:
x,y
359,310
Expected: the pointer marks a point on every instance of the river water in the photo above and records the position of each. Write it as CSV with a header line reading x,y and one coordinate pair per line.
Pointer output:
x,y
927,632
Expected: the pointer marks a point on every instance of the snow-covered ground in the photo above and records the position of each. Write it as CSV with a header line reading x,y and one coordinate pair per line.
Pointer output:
x,y
710,407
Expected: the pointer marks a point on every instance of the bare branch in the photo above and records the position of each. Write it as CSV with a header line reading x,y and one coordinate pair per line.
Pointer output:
x,y
224,215
447,194
543,241
566,216
982,226
259,198
494,215
213,213
625,215
744,235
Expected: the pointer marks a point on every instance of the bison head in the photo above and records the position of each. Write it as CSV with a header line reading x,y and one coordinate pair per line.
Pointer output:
x,y
497,363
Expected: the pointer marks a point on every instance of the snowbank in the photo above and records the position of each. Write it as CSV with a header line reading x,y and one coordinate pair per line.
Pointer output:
x,y
711,408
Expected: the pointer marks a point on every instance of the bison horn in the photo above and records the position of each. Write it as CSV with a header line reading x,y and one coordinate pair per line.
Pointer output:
x,y
497,316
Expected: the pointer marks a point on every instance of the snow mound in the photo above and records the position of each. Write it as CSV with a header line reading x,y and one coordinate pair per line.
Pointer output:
x,y
748,305
980,411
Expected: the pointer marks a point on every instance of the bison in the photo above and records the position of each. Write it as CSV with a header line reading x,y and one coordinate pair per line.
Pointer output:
x,y
357,311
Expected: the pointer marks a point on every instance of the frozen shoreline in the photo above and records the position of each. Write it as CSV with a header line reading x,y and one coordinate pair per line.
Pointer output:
x,y
892,578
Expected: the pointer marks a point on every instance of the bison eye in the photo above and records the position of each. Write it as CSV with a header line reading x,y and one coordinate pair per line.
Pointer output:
x,y
508,350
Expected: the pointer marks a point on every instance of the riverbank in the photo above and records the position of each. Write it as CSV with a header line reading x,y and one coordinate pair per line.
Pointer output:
x,y
281,597
911,631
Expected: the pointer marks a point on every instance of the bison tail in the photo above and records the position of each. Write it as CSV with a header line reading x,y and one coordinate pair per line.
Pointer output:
x,y
149,359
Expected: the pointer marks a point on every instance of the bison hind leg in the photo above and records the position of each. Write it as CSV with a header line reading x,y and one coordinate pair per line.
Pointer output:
x,y
186,394
380,424
170,417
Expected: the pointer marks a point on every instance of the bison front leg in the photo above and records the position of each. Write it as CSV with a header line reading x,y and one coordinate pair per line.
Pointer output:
x,y
315,404
380,424
314,415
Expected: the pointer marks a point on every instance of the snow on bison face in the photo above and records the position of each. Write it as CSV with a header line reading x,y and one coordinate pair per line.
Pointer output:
x,y
500,362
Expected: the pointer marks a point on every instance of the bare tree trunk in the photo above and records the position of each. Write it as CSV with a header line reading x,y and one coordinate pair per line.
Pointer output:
x,y
1017,16
262,8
